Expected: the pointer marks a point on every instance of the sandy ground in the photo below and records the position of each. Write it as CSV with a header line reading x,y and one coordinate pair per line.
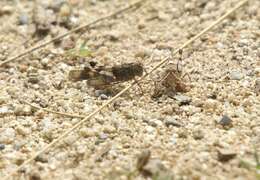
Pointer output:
x,y
185,132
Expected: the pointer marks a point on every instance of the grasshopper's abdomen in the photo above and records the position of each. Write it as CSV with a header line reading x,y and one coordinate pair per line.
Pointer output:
x,y
126,72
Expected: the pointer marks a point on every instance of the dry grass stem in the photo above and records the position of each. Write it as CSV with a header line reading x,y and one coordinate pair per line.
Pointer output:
x,y
66,133
54,112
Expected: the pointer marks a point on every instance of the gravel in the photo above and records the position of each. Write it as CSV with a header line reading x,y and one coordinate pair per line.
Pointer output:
x,y
180,131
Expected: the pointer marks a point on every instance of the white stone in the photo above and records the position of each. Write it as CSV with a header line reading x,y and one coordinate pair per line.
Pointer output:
x,y
7,136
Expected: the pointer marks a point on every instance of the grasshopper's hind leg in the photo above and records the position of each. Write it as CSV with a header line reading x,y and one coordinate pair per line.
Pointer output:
x,y
139,86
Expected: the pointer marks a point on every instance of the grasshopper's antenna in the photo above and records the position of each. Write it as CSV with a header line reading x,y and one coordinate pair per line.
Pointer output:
x,y
179,60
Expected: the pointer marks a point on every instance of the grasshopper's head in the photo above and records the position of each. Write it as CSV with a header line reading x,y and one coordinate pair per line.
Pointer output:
x,y
138,69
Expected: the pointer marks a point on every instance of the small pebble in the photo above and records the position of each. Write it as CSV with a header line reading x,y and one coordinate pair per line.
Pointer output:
x,y
141,25
257,86
225,155
172,122
19,158
98,92
210,6
47,124
109,129
113,36
143,53
4,99
198,134
103,97
176,12
257,69
103,136
42,158
142,159
68,43
168,110
174,139
153,39
102,51
4,110
2,147
155,168
75,2
22,67
211,104
212,96
65,10
63,67
22,110
149,129
163,16
189,6
19,144
70,139
6,10
56,5
33,78
35,175
182,100
162,46
23,131
87,132
236,75
197,102
43,19
45,61
23,19
183,133
243,42
58,83
225,121
7,136
154,122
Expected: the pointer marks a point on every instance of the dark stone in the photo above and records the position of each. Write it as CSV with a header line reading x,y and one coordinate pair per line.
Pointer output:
x,y
2,147
226,155
41,158
225,121
198,134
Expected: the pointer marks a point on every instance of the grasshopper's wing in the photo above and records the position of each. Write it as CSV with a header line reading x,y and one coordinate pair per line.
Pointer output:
x,y
75,74
82,74
104,78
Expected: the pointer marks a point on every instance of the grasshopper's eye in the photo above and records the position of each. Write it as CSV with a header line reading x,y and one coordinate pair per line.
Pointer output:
x,y
92,63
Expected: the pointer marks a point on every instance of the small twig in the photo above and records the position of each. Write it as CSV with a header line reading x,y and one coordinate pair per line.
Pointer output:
x,y
54,112
77,125
83,27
